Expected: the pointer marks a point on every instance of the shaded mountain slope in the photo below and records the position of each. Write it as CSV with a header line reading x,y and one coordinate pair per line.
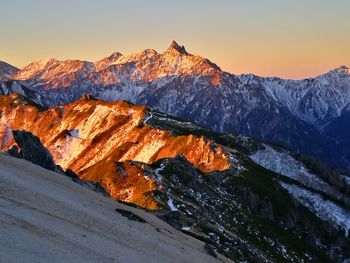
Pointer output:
x,y
206,184
6,71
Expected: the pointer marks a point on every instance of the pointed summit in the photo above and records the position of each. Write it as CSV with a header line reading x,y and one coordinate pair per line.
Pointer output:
x,y
115,56
341,70
344,68
177,47
107,61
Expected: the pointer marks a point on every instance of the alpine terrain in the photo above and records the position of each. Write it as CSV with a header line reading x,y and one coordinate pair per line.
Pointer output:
x,y
308,116
246,201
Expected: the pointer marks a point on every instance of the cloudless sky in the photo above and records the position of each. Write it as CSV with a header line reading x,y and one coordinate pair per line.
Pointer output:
x,y
287,38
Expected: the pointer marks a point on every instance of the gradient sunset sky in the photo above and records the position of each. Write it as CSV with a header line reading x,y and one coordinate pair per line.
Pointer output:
x,y
286,38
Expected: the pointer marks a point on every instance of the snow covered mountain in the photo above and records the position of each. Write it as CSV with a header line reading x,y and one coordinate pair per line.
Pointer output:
x,y
296,114
322,102
317,101
144,66
10,87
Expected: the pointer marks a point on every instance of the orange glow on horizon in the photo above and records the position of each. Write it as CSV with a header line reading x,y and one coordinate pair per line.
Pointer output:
x,y
290,39
267,63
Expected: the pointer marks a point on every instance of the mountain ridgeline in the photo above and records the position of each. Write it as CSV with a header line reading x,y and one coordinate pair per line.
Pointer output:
x,y
170,133
246,200
309,116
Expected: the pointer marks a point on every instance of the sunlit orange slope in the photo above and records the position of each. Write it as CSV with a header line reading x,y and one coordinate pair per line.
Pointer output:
x,y
91,136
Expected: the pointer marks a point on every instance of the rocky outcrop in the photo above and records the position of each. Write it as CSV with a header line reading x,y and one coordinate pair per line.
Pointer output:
x,y
90,136
29,147
200,182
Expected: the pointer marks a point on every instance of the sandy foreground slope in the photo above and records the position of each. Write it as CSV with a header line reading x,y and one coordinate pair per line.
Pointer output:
x,y
45,217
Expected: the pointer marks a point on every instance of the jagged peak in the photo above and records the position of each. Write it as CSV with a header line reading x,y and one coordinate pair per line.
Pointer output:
x,y
112,57
146,53
175,46
343,69
149,65
115,55
45,61
340,70
143,54
107,61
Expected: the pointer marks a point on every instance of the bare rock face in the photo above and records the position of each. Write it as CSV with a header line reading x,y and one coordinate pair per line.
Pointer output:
x,y
90,136
201,182
29,147
177,47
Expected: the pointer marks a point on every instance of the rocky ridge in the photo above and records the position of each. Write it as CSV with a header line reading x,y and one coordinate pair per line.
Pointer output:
x,y
303,115
203,183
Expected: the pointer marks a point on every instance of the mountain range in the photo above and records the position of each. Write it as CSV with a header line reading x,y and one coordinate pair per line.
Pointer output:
x,y
309,116
173,134
247,200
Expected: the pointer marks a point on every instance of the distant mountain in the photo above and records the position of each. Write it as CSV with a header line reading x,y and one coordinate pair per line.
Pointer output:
x,y
296,114
317,101
10,87
6,71
246,200
322,102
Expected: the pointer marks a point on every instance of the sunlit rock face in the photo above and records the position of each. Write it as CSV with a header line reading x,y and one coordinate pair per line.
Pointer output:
x,y
303,115
54,73
90,136
144,66
124,181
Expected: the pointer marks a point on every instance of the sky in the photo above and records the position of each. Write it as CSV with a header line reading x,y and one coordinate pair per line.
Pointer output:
x,y
286,38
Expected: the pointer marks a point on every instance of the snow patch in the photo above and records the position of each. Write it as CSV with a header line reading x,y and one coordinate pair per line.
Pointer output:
x,y
171,205
148,117
324,209
157,172
283,163
74,133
